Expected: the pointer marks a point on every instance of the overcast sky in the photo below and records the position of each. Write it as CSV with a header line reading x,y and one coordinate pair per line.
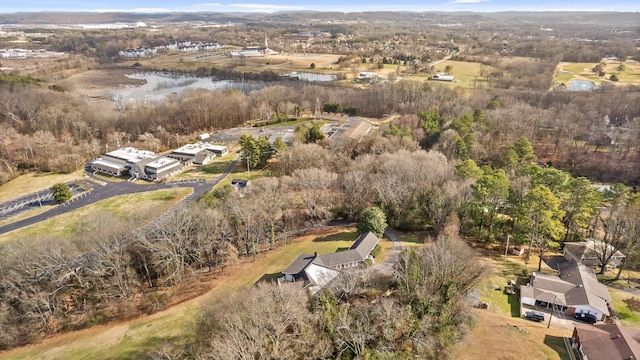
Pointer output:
x,y
322,5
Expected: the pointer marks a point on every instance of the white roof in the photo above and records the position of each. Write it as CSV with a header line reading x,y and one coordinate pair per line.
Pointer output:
x,y
131,154
106,163
162,162
193,149
319,276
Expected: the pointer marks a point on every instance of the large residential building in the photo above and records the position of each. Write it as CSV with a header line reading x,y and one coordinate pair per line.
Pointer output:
x,y
314,272
575,290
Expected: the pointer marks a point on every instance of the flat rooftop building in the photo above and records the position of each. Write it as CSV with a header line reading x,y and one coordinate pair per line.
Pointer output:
x,y
121,160
162,167
200,153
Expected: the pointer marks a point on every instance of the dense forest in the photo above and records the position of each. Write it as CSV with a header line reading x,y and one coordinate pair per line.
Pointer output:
x,y
513,160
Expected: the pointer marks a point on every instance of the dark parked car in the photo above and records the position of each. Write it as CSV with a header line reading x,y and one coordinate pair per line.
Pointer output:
x,y
534,316
588,318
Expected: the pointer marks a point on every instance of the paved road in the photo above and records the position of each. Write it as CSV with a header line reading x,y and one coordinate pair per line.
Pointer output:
x,y
111,189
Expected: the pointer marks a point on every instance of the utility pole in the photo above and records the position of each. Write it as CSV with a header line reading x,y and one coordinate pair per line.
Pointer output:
x,y
552,310
248,169
506,249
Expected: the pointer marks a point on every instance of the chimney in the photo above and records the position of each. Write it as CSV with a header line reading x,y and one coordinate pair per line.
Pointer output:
x,y
315,254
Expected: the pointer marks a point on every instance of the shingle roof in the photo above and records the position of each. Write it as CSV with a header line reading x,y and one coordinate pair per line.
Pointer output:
x,y
589,249
587,289
298,265
576,284
359,251
609,341
365,243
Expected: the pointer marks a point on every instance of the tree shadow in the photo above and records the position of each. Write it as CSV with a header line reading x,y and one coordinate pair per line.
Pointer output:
x,y
269,278
557,344
554,261
340,236
514,302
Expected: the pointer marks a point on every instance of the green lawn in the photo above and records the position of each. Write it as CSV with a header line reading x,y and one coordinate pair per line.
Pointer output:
x,y
467,74
134,339
627,317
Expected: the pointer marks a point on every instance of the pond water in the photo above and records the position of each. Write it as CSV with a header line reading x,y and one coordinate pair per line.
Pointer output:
x,y
581,85
159,85
312,76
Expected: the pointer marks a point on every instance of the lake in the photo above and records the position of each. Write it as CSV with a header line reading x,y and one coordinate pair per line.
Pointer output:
x,y
581,85
159,85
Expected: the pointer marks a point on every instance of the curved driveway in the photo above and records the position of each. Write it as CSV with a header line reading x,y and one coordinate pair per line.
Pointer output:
x,y
101,192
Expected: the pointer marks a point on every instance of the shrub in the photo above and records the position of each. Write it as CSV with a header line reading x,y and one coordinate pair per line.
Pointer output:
x,y
632,303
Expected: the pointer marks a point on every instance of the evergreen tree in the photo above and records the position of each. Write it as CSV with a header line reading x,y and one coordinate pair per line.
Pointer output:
x,y
61,192
373,219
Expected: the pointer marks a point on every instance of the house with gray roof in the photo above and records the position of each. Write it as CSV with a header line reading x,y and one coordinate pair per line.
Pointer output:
x,y
606,341
316,271
590,252
575,289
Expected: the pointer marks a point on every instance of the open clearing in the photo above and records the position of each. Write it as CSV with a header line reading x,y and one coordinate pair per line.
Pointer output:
x,y
281,63
33,182
467,74
143,207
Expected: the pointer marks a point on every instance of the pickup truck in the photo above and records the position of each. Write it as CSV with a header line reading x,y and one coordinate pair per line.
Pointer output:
x,y
534,316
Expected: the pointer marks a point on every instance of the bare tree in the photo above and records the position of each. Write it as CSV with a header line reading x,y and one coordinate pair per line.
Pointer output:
x,y
315,188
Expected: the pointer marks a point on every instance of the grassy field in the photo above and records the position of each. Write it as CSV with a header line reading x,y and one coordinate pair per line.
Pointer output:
x,y
467,74
566,72
32,182
148,203
134,339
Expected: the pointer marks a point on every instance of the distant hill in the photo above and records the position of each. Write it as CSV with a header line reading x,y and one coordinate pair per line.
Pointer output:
x,y
614,19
